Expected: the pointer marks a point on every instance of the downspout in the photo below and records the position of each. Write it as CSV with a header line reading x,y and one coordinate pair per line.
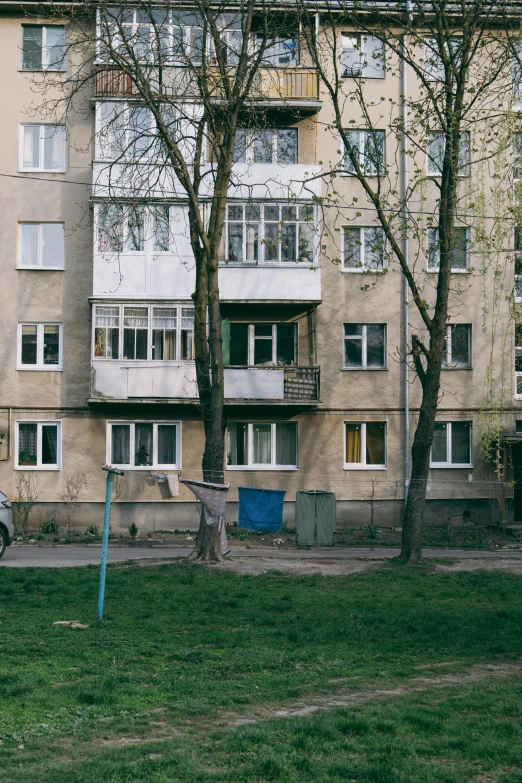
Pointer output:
x,y
4,459
405,243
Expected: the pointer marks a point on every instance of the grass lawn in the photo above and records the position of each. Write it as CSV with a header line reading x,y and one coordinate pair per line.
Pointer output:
x,y
148,695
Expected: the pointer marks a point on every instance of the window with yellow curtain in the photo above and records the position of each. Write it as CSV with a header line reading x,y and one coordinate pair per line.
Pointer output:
x,y
365,444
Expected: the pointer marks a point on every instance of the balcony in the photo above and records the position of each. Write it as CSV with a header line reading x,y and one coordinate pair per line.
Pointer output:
x,y
272,384
284,283
169,382
113,82
289,87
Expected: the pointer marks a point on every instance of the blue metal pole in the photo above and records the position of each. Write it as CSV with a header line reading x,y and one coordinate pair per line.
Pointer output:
x,y
105,539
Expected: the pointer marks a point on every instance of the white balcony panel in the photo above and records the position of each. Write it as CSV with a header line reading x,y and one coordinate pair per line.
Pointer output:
x,y
122,382
275,181
254,383
119,275
295,283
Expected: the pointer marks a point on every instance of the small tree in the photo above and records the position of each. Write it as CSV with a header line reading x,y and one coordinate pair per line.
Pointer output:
x,y
459,58
74,484
28,491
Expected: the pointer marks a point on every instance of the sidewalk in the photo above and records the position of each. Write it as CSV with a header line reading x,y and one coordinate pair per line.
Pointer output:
x,y
65,556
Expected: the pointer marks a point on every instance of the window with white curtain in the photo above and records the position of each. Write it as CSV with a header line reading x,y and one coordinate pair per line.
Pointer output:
x,y
42,147
38,445
364,445
140,332
364,249
269,233
436,146
451,445
457,347
133,229
127,131
40,245
362,55
39,346
144,444
266,145
262,446
43,47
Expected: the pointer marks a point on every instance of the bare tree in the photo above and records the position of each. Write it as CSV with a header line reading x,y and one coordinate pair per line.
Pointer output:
x,y
74,484
177,82
423,189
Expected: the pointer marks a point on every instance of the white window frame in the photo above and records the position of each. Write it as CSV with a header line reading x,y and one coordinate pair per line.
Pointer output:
x,y
45,50
516,76
517,287
364,351
345,160
149,235
364,64
449,444
252,338
132,450
261,235
41,158
433,170
39,265
364,465
39,366
447,360
362,255
273,465
250,134
434,270
39,423
150,307
152,154
434,74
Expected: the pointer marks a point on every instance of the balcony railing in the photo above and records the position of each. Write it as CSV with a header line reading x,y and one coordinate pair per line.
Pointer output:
x,y
113,82
272,384
280,84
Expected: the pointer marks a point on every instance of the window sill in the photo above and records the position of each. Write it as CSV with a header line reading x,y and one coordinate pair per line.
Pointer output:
x,y
362,270
364,467
453,369
452,271
450,467
273,468
150,468
42,171
364,369
38,467
39,369
42,70
36,268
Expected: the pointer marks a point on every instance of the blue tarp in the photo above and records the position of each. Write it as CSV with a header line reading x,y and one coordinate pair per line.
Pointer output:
x,y
261,509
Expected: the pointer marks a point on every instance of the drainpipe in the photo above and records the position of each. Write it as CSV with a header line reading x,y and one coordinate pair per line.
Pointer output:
x,y
4,459
405,244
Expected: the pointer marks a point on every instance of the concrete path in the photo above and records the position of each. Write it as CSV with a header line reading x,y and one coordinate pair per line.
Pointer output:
x,y
65,556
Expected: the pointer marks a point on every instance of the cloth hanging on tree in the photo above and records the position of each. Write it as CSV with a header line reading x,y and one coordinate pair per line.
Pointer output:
x,y
261,510
315,518
214,500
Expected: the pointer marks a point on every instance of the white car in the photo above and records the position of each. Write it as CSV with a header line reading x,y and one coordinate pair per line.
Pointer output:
x,y
6,523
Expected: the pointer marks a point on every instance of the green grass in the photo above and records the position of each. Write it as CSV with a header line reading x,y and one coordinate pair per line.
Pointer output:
x,y
196,643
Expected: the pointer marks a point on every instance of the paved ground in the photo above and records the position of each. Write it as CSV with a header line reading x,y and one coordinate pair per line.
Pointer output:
x,y
64,556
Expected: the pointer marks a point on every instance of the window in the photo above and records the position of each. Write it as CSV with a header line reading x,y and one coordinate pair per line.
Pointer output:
x,y
133,229
40,245
266,146
365,444
434,67
364,346
38,445
457,350
367,147
280,50
459,253
42,148
129,131
262,446
143,444
362,55
144,333
518,264
259,344
451,445
364,249
43,48
518,360
269,233
435,158
516,73
39,346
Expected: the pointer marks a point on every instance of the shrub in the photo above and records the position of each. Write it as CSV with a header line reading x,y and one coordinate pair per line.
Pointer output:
x,y
133,530
93,530
49,527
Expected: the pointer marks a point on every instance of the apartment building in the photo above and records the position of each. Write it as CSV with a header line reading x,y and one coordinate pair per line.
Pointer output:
x,y
97,319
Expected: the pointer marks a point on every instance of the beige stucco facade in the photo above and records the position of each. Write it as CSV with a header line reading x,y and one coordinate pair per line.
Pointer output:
x,y
320,300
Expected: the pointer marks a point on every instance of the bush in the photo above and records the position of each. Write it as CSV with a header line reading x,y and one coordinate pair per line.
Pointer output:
x,y
49,527
93,530
133,530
